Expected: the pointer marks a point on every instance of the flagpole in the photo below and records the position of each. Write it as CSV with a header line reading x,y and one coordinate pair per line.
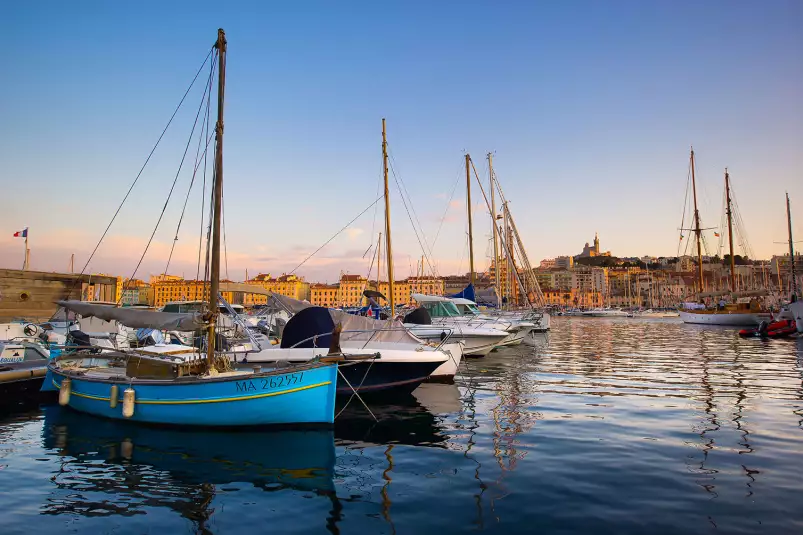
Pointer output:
x,y
25,265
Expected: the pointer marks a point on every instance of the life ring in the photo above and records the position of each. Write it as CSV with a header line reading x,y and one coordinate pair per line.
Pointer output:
x,y
30,329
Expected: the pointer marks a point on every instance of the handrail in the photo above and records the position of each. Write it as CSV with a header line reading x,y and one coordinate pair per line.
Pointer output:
x,y
373,332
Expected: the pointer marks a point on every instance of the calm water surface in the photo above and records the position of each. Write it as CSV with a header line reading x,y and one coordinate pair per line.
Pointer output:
x,y
610,426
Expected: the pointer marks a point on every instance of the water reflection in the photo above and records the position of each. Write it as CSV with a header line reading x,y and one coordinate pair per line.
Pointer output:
x,y
628,426
113,468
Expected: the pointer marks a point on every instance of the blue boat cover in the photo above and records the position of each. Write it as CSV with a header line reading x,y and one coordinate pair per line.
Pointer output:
x,y
312,321
466,293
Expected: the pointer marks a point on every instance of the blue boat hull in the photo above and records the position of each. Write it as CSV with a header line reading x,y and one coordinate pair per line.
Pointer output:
x,y
305,396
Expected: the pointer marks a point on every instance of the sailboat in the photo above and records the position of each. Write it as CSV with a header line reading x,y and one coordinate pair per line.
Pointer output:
x,y
734,314
391,357
794,310
193,392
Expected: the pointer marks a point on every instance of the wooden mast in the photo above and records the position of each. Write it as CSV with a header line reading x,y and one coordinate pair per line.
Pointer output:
x,y
697,229
470,227
729,211
214,269
388,247
496,233
791,247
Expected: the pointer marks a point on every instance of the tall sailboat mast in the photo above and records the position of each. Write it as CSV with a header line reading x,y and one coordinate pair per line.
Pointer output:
x,y
496,232
470,227
729,211
214,269
388,247
697,229
791,247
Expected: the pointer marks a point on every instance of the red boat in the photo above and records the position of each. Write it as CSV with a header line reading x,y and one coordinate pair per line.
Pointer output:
x,y
775,329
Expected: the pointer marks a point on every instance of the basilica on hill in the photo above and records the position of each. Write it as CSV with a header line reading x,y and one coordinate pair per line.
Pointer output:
x,y
589,251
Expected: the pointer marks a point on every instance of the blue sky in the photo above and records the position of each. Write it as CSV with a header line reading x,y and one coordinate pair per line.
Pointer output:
x,y
589,108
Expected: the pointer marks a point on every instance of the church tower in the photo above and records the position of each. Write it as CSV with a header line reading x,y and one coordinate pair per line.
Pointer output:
x,y
596,243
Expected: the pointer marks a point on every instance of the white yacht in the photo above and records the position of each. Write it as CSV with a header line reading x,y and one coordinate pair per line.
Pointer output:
x,y
455,311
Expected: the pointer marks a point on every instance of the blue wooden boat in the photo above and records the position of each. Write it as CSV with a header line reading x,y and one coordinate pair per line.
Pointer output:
x,y
100,384
160,389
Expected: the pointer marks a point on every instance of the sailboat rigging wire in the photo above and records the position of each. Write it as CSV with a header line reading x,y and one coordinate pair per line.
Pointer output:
x,y
203,190
421,243
448,205
169,194
337,234
379,189
206,96
223,221
207,266
148,159
683,214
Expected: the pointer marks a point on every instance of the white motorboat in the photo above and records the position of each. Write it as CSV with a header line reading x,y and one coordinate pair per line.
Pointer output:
x,y
361,336
729,316
454,312
477,341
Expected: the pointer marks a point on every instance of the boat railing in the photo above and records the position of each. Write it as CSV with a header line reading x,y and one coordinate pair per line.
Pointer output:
x,y
446,330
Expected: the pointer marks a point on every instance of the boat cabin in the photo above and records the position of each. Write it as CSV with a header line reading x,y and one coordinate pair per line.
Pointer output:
x,y
466,306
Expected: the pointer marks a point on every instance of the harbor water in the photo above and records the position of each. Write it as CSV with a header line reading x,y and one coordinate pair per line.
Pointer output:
x,y
609,426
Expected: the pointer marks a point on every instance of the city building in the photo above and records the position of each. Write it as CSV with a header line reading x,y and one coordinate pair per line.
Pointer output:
x,y
136,292
426,285
169,288
591,251
288,285
351,289
324,295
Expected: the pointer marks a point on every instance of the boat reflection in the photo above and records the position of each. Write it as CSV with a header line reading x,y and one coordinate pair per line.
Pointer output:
x,y
412,419
111,468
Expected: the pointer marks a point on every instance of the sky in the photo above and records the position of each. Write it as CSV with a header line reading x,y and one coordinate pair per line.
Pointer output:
x,y
588,107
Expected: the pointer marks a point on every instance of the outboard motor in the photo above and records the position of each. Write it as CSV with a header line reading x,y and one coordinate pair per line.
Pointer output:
x,y
763,327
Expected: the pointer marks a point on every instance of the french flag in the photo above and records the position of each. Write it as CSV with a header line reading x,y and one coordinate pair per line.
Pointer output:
x,y
21,233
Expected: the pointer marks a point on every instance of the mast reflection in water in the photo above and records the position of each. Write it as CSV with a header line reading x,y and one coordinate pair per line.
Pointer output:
x,y
610,425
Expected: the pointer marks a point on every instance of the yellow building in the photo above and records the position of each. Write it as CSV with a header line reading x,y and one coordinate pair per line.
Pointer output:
x,y
401,292
426,285
351,288
573,298
324,295
170,288
287,285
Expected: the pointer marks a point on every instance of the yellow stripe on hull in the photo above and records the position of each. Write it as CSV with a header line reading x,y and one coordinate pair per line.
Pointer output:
x,y
197,401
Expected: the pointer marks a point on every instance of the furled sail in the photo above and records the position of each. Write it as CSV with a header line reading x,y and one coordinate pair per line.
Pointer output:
x,y
138,318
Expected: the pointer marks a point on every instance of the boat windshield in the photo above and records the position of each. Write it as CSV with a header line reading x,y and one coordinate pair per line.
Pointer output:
x,y
441,309
466,309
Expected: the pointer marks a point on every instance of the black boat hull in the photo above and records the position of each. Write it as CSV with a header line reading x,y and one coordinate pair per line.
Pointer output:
x,y
377,376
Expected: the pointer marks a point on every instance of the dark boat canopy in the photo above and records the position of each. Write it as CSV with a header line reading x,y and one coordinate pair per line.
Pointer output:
x,y
419,316
312,321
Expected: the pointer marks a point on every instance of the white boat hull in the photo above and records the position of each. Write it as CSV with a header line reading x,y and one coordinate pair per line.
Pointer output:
x,y
733,319
796,309
474,345
449,354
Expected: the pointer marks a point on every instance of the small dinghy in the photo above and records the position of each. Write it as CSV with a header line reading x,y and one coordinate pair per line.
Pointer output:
x,y
775,329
